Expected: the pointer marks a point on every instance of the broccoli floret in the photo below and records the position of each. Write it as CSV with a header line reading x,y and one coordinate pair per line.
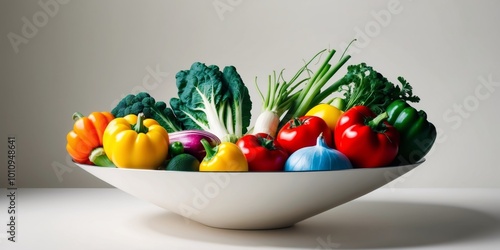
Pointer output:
x,y
144,103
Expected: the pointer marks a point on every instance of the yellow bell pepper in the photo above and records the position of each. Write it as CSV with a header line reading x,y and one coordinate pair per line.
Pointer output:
x,y
226,156
135,142
329,113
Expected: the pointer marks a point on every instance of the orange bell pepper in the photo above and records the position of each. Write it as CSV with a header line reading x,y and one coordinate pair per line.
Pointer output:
x,y
84,142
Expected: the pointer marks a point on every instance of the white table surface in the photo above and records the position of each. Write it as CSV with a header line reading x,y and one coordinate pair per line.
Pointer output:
x,y
384,219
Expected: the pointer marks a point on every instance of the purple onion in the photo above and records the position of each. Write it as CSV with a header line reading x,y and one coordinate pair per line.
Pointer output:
x,y
190,139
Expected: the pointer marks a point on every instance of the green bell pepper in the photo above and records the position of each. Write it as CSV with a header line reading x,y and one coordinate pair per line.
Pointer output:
x,y
417,134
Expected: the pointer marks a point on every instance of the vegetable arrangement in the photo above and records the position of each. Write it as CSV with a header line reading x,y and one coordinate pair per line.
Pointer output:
x,y
308,123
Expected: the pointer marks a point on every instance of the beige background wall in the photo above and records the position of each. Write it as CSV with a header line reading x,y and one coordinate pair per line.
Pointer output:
x,y
58,57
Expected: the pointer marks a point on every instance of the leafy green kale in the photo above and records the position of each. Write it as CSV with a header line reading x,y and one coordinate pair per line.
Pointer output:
x,y
211,100
144,103
362,85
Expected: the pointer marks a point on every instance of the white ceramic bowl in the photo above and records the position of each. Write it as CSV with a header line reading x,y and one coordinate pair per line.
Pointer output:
x,y
248,200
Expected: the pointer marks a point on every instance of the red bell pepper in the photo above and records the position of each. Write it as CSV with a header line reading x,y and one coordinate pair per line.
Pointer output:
x,y
365,138
303,132
262,152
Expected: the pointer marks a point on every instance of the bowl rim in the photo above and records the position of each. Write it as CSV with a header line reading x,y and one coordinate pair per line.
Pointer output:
x,y
249,172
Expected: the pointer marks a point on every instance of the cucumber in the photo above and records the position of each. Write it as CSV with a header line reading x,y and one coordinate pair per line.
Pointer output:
x,y
183,162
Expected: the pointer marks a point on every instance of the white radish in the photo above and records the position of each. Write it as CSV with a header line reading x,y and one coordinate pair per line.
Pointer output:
x,y
267,122
278,99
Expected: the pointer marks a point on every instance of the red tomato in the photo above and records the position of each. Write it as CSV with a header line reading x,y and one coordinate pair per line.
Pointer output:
x,y
303,132
262,152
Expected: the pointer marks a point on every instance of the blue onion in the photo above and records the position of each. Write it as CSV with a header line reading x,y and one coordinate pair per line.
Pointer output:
x,y
317,158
